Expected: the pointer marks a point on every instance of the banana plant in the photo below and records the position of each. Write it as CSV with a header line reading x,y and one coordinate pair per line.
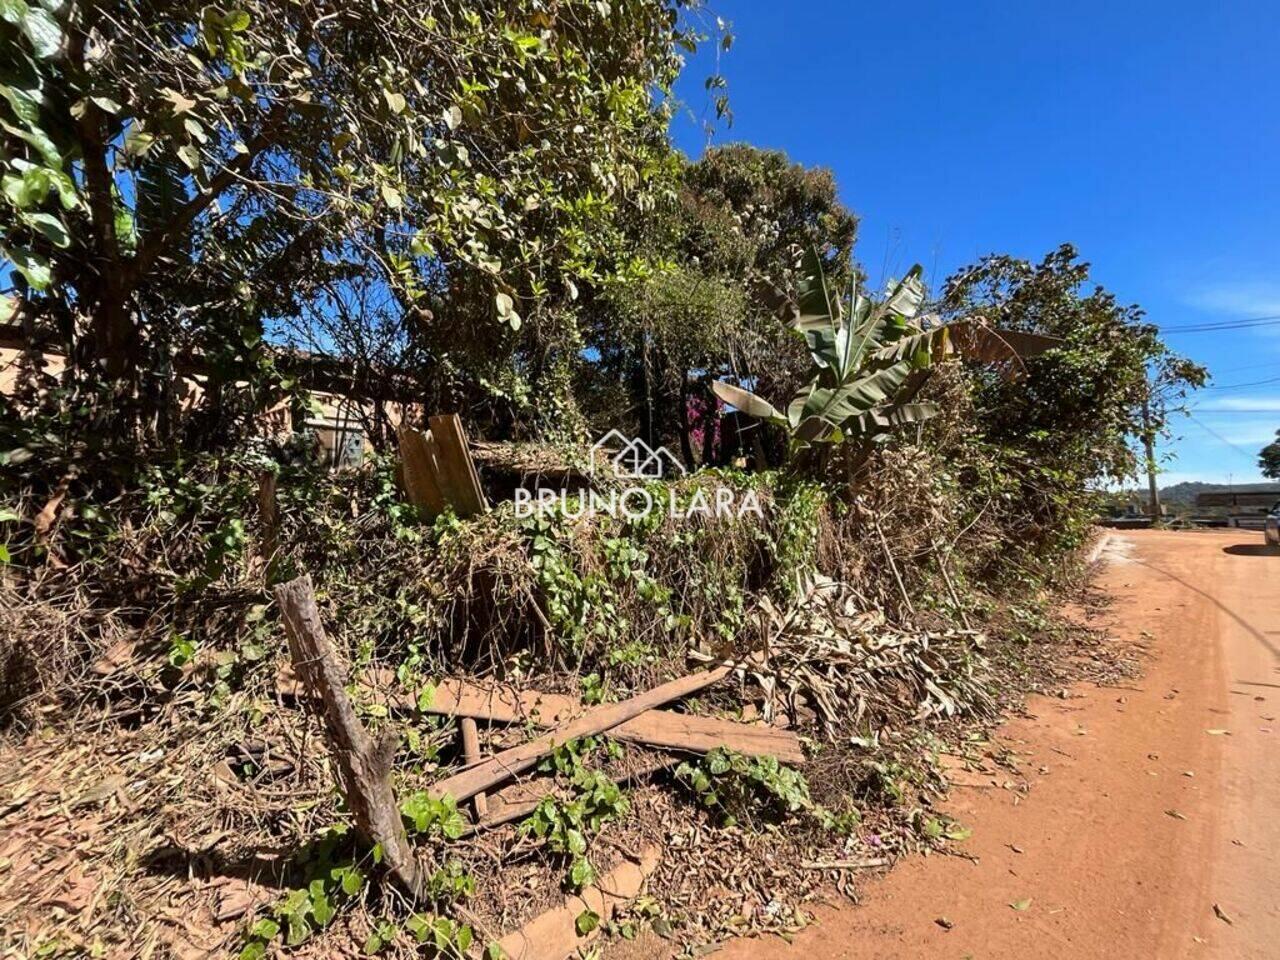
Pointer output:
x,y
871,358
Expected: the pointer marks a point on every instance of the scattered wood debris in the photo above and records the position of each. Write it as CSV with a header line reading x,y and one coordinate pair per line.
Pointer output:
x,y
559,932
508,763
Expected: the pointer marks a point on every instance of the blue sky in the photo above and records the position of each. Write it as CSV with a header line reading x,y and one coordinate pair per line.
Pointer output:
x,y
1147,134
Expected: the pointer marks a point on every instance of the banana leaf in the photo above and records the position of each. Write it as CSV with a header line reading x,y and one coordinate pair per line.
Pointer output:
x,y
837,404
970,339
819,320
884,418
748,402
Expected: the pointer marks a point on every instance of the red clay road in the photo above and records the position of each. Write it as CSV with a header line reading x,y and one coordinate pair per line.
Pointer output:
x,y
1148,806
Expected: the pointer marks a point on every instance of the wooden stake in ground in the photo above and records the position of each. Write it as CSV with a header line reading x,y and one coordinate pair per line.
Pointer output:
x,y
471,754
508,763
364,766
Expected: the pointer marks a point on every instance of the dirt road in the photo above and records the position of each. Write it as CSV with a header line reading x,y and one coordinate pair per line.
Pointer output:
x,y
1149,805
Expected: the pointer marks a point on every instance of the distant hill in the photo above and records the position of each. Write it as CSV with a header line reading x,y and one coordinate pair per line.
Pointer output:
x,y
1185,493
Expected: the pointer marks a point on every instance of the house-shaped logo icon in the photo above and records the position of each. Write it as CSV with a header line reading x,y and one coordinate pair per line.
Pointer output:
x,y
634,458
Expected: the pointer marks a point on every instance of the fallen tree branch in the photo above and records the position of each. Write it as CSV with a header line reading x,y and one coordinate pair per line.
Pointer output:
x,y
364,766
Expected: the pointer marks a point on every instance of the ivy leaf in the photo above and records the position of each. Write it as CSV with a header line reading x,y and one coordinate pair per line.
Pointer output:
x,y
137,141
453,117
391,196
581,872
426,697
322,909
26,106
507,310
43,32
12,11
586,921
265,929
190,156
395,101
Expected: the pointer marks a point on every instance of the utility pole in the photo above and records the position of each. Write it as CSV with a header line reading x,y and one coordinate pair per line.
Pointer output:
x,y
1149,444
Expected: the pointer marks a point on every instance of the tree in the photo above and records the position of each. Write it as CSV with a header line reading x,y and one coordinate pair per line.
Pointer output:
x,y
716,266
1269,459
1076,416
180,176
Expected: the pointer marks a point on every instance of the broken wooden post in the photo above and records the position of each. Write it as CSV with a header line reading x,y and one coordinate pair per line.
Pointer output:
x,y
364,766
471,754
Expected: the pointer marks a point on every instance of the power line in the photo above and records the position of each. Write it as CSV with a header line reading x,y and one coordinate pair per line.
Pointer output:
x,y
1271,364
1236,386
1223,325
1209,430
1251,410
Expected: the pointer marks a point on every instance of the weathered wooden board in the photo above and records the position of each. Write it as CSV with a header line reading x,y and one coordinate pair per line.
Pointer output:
x,y
471,754
419,471
457,471
659,728
554,936
502,766
656,728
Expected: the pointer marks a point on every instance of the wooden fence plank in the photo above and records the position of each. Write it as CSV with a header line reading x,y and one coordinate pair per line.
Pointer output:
x,y
456,466
417,459
658,728
508,763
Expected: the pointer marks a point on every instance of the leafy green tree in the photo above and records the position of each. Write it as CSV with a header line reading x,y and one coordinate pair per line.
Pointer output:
x,y
717,267
1075,417
179,176
1269,459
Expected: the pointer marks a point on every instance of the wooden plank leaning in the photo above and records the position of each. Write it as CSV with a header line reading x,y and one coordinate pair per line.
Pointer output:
x,y
457,469
419,471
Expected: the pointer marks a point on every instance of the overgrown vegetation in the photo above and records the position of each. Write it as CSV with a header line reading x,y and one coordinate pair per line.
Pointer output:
x,y
218,216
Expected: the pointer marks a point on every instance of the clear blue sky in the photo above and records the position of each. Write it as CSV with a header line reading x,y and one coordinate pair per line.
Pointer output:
x,y
1147,134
